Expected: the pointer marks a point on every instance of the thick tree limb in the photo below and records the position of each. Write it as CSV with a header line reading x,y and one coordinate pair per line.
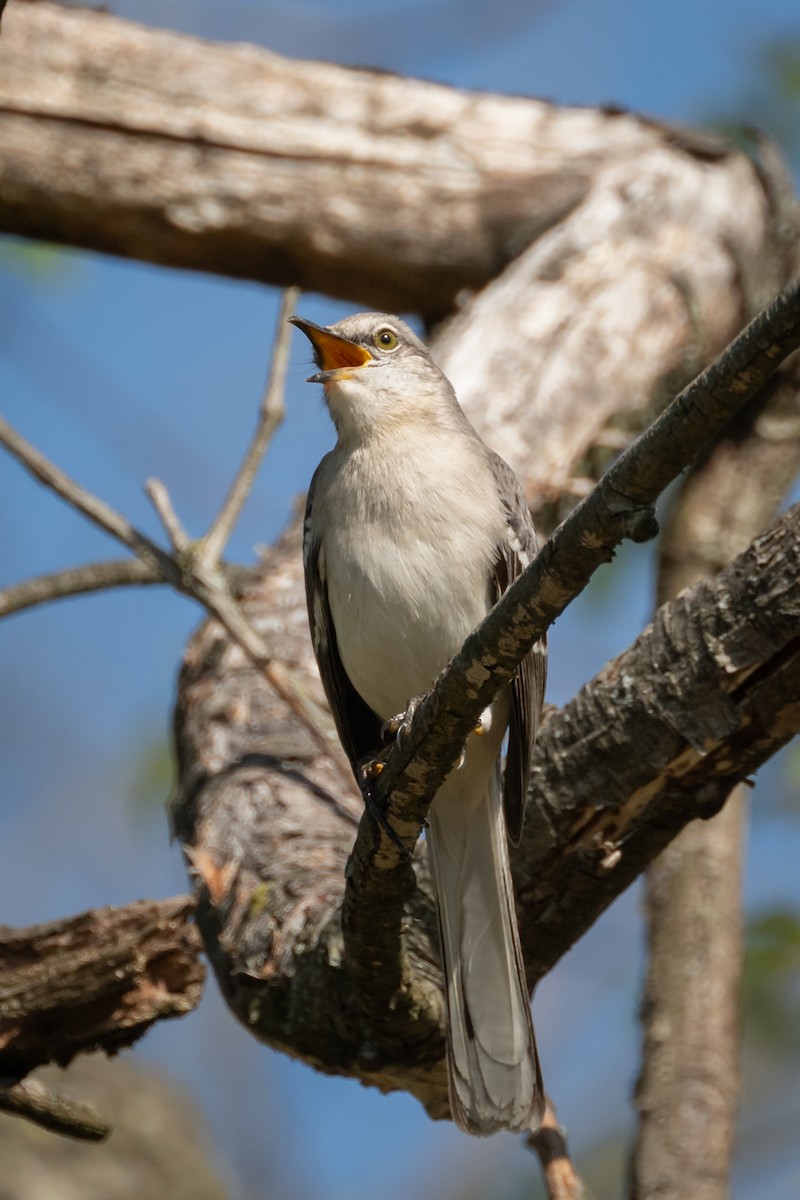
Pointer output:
x,y
95,981
287,175
267,847
618,233
688,1088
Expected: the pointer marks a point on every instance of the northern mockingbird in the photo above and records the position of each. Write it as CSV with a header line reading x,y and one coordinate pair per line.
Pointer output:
x,y
413,529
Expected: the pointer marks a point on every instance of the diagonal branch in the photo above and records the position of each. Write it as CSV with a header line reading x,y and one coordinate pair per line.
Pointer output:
x,y
705,695
720,667
692,984
270,415
52,1111
619,507
98,512
190,569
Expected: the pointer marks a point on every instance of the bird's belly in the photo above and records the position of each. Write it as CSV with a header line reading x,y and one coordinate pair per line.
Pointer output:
x,y
398,625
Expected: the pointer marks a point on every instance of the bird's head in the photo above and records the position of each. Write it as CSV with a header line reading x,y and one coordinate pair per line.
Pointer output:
x,y
376,373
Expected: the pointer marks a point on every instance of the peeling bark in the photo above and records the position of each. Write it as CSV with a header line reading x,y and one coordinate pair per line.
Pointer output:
x,y
95,981
619,254
108,140
688,1089
708,693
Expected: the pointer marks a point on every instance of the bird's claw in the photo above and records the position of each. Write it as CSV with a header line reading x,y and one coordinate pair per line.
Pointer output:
x,y
398,726
369,769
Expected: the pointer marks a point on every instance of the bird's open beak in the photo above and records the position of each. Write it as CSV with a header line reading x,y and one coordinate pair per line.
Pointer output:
x,y
334,355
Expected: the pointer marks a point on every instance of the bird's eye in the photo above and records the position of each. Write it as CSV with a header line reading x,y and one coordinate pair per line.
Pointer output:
x,y
386,339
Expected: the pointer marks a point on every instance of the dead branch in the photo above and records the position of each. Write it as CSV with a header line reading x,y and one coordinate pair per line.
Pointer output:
x,y
191,568
52,1111
95,981
550,1145
688,1088
75,581
288,174
267,847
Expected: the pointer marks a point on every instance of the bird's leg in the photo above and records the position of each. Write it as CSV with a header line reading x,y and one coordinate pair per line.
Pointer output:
x,y
399,725
396,728
369,769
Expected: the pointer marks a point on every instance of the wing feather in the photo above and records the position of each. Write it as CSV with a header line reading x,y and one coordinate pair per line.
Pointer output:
x,y
358,726
516,549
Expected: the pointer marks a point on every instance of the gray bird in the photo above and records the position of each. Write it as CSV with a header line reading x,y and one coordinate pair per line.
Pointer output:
x,y
413,529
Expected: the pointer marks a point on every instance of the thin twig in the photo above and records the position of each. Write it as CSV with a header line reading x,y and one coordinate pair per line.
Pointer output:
x,y
159,497
55,1112
550,1143
94,577
99,513
271,412
185,571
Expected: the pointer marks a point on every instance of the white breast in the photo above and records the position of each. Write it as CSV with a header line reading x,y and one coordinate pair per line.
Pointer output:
x,y
408,544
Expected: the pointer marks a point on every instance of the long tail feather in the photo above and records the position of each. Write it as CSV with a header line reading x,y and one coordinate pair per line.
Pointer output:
x,y
495,1080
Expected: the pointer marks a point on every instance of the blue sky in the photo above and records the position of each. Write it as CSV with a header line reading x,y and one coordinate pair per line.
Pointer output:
x,y
120,371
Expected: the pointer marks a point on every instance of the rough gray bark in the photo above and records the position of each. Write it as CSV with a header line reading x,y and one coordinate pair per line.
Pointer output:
x,y
96,980
108,139
688,1088
640,252
623,234
708,693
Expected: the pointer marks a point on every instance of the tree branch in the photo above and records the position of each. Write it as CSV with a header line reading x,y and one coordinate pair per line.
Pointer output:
x,y
189,569
98,980
688,1088
550,1144
75,581
617,232
59,1114
254,808
270,415
288,174
380,876
706,694
98,512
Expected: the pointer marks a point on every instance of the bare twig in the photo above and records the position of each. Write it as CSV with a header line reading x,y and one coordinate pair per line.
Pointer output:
x,y
270,415
550,1144
94,577
60,1114
159,497
98,512
190,570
